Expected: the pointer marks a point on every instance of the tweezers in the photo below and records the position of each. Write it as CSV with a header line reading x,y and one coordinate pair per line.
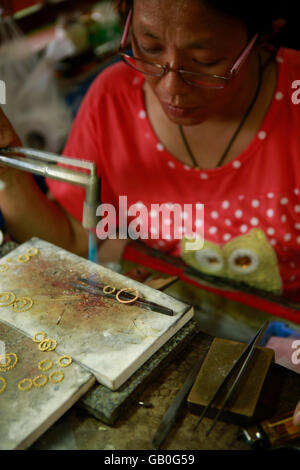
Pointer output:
x,y
97,288
238,369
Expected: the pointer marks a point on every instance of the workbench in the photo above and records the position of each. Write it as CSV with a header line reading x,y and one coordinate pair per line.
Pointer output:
x,y
78,430
134,431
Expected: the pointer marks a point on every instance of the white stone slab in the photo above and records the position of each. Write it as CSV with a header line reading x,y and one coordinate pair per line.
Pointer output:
x,y
111,340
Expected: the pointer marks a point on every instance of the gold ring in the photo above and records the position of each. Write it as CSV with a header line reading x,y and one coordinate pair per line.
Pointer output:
x,y
34,338
54,344
44,361
109,289
3,268
32,251
61,364
130,300
9,298
5,364
42,384
26,387
45,344
4,384
24,307
23,258
56,372
10,366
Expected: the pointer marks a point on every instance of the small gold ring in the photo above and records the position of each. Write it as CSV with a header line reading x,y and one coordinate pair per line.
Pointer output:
x,y
10,366
24,307
26,387
66,364
41,384
32,251
3,268
130,300
9,298
5,364
34,338
56,372
109,289
16,360
45,344
23,258
43,367
4,384
54,344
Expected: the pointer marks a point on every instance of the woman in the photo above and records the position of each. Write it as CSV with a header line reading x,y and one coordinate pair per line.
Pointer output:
x,y
204,115
216,126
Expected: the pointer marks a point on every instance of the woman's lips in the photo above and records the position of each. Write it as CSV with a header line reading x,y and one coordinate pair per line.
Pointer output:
x,y
177,111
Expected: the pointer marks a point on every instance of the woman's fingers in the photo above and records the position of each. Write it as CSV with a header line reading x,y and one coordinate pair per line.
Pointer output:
x,y
8,136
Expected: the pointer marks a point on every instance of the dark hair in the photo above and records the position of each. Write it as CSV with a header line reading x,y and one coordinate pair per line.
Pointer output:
x,y
257,15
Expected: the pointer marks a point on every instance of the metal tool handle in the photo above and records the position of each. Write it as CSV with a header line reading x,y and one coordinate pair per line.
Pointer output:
x,y
49,157
45,164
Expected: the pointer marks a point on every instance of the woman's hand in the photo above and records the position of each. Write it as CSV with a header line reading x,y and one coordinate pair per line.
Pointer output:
x,y
112,250
8,137
297,415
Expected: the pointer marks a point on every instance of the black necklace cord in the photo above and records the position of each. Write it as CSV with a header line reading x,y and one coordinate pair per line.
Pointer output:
x,y
188,148
242,122
249,109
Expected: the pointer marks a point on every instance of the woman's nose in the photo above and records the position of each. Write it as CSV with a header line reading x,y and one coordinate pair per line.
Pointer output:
x,y
171,85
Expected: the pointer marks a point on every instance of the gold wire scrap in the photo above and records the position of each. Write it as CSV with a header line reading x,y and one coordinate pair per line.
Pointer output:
x,y
56,372
22,308
26,387
32,251
4,384
9,298
3,268
62,364
44,361
42,384
9,366
23,258
34,338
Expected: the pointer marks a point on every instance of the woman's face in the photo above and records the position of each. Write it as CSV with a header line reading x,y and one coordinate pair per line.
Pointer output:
x,y
188,35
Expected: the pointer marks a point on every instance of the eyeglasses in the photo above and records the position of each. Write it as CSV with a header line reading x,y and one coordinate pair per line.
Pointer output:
x,y
201,80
